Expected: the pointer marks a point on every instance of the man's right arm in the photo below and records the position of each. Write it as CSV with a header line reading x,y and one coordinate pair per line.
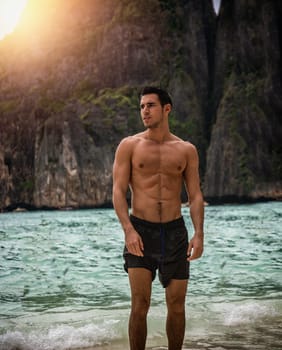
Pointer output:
x,y
196,203
121,179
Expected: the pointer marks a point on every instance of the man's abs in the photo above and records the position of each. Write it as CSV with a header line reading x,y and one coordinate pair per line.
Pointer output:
x,y
155,210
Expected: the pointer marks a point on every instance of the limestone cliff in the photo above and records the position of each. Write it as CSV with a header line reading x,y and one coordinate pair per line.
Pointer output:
x,y
69,81
88,59
70,169
244,155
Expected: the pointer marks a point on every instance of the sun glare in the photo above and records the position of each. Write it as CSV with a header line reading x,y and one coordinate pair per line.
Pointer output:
x,y
10,11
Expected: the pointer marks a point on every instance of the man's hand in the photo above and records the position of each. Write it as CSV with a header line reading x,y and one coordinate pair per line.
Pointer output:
x,y
196,247
134,243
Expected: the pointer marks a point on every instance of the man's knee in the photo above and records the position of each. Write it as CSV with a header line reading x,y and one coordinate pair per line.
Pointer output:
x,y
176,295
140,306
176,303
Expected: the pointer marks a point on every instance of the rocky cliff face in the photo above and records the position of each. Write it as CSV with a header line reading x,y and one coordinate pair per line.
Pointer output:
x,y
244,155
70,169
69,86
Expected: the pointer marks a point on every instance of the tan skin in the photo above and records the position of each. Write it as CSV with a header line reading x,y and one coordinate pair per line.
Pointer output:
x,y
154,164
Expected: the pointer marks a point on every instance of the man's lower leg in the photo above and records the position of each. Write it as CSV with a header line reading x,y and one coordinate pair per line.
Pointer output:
x,y
175,327
137,331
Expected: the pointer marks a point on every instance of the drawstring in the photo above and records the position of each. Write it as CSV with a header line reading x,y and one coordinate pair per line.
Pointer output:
x,y
162,232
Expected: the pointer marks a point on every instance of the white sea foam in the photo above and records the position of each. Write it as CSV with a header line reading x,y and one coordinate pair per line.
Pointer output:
x,y
248,312
61,337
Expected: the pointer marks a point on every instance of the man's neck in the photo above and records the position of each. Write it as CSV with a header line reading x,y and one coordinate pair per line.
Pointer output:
x,y
157,135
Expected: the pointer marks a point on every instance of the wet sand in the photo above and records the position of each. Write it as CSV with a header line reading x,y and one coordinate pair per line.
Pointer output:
x,y
233,342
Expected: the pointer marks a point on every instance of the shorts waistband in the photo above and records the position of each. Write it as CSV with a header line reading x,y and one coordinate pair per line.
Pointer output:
x,y
165,225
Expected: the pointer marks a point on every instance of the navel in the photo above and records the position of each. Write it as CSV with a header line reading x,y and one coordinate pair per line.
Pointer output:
x,y
141,165
179,167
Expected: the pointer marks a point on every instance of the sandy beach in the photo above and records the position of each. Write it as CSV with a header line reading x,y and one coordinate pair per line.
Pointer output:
x,y
123,345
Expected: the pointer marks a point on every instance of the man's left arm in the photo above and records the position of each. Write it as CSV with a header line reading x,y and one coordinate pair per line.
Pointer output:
x,y
196,203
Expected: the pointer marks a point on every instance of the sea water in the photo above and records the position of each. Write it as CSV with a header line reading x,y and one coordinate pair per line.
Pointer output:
x,y
62,283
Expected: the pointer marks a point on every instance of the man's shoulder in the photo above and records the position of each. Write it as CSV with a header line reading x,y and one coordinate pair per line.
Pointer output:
x,y
129,142
183,143
190,148
132,139
189,145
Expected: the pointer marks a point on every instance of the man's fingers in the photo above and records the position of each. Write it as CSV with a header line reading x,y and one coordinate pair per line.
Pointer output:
x,y
189,250
136,248
197,253
140,247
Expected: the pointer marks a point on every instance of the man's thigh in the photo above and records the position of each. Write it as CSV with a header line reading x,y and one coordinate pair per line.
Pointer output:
x,y
176,292
140,280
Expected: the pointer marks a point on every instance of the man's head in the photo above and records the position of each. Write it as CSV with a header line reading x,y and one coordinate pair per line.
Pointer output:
x,y
162,94
155,106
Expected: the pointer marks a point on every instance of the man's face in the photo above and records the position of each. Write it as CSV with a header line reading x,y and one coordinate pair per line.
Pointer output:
x,y
151,111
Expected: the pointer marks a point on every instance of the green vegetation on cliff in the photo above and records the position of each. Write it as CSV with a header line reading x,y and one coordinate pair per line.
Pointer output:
x,y
69,87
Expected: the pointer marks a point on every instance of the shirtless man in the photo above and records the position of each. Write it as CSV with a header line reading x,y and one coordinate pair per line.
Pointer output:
x,y
154,164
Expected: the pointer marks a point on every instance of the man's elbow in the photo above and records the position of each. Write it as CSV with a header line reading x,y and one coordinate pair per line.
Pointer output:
x,y
115,194
196,198
118,194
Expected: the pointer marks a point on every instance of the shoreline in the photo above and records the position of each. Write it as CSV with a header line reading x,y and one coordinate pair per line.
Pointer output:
x,y
211,201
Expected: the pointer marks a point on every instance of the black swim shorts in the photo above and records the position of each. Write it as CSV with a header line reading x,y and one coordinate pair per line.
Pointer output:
x,y
165,249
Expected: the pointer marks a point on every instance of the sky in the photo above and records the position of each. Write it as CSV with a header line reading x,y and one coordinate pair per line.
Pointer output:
x,y
216,4
10,11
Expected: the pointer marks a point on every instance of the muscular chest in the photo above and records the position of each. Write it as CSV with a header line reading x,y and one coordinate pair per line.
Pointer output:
x,y
151,157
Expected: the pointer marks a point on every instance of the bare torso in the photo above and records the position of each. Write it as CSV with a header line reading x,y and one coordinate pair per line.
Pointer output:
x,y
157,177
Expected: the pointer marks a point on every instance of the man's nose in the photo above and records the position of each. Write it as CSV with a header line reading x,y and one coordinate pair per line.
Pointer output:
x,y
146,109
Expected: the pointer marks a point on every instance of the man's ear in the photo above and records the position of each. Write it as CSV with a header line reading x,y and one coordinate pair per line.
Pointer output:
x,y
168,107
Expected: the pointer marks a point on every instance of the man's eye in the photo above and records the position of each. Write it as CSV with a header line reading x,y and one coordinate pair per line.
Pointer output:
x,y
148,105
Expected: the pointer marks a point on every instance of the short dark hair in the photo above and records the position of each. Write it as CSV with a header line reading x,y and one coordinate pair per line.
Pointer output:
x,y
162,94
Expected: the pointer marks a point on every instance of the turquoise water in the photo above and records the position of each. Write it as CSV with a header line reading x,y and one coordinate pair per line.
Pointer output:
x,y
62,284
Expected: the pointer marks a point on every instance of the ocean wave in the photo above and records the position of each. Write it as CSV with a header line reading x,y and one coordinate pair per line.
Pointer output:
x,y
62,337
